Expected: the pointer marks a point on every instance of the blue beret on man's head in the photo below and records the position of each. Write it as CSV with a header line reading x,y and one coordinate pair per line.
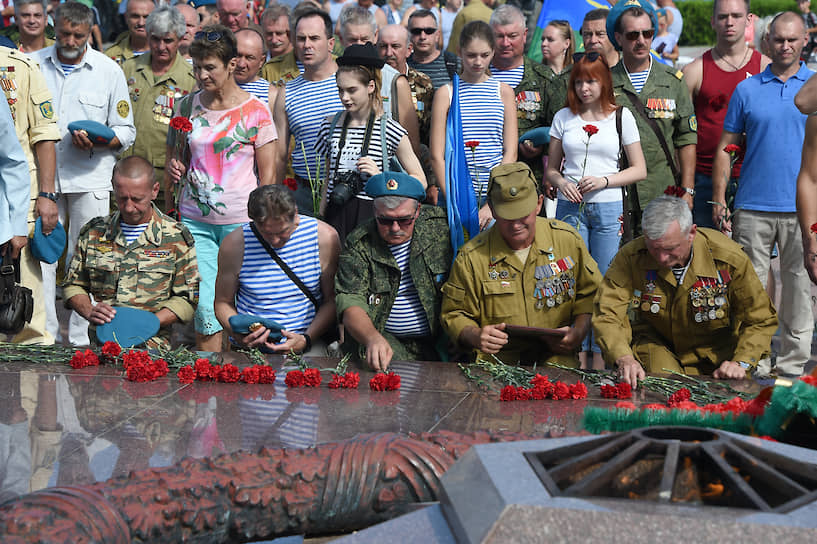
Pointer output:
x,y
395,184
618,10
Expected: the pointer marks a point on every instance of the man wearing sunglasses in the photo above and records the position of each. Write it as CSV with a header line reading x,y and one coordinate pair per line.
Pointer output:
x,y
659,98
426,56
525,271
387,288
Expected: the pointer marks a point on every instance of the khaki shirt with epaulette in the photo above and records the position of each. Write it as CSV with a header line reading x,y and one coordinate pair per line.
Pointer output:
x,y
153,98
488,285
29,99
158,270
719,313
666,98
121,50
281,69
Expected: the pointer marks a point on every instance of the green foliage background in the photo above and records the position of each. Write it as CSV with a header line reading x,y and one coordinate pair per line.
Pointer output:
x,y
698,14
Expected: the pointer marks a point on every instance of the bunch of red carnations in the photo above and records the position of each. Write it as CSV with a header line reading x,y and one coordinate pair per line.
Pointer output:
x,y
541,388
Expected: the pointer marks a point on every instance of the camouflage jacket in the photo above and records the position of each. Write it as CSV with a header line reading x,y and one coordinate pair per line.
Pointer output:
x,y
531,96
368,276
158,270
422,93
556,94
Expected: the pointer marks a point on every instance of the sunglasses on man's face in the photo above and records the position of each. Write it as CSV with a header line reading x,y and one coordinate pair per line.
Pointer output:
x,y
633,34
423,30
209,36
592,56
389,221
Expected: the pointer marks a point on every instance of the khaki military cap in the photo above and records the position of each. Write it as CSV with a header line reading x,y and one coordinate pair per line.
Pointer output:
x,y
512,190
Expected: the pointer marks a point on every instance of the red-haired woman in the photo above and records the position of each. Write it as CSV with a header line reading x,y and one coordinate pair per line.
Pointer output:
x,y
589,183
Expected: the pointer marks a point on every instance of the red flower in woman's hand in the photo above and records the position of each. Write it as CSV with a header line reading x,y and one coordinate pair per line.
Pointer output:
x,y
471,144
590,129
733,148
182,124
674,190
292,183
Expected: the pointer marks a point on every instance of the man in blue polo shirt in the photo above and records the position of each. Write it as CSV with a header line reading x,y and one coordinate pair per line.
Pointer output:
x,y
763,108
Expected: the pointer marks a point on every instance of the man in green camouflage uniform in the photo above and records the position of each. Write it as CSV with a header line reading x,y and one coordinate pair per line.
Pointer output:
x,y
664,95
156,272
156,80
368,284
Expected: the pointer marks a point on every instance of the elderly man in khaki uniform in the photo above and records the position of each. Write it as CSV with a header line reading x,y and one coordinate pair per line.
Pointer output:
x,y
134,41
35,123
156,80
684,299
525,271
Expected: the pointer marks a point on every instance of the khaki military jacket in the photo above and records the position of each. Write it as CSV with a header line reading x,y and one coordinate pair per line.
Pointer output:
x,y
638,301
368,275
158,270
281,69
29,99
121,50
489,285
153,100
667,100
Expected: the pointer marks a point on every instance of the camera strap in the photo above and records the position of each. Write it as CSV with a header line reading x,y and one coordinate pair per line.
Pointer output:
x,y
364,150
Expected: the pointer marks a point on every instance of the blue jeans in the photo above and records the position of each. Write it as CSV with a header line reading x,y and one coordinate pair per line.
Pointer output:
x,y
599,227
701,207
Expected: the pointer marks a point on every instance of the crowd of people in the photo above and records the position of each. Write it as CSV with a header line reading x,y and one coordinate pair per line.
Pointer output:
x,y
292,164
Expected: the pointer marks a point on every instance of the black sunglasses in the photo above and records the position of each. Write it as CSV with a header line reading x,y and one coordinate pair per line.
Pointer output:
x,y
389,221
419,30
209,36
592,56
633,35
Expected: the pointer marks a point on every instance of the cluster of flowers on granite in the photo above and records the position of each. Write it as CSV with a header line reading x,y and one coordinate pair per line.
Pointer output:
x,y
541,388
202,370
618,391
680,400
385,382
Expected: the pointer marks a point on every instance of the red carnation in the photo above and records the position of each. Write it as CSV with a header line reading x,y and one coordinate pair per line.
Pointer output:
x,y
538,392
508,393
393,381
578,390
590,129
624,390
186,374
182,124
560,391
539,380
312,377
813,228
625,405
679,396
229,373
295,378
111,349
522,393
266,374
609,391
732,148
204,370
291,183
811,380
471,144
674,190
350,380
250,374
384,382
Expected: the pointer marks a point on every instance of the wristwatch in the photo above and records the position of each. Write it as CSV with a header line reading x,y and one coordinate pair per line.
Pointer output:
x,y
689,191
50,196
744,365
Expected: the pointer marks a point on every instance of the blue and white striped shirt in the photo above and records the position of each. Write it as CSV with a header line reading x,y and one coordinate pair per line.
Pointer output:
x,y
407,317
265,290
258,88
132,232
307,103
483,120
512,77
68,68
638,79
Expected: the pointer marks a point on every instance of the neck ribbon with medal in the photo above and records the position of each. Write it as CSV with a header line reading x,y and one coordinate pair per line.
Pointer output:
x,y
555,281
708,296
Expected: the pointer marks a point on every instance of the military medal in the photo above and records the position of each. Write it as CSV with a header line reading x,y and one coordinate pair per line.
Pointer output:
x,y
493,275
652,275
636,297
655,306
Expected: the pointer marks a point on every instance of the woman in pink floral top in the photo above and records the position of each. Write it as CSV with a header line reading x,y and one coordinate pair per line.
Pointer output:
x,y
231,152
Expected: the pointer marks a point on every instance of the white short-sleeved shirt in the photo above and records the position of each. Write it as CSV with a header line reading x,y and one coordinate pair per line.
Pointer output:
x,y
602,151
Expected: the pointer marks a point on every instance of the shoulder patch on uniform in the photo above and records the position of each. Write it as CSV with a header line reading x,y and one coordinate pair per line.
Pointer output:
x,y
46,109
693,123
188,237
679,74
123,108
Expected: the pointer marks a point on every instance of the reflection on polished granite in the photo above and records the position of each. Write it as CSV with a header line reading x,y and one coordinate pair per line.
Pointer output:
x,y
60,426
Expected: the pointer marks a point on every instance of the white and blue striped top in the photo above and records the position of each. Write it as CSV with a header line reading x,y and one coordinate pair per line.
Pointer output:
x,y
638,79
407,317
265,290
512,77
68,68
483,119
307,103
132,232
258,88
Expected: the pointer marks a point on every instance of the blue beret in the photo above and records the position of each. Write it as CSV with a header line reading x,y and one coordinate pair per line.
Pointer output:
x,y
620,7
129,327
97,132
48,247
240,323
395,184
198,3
537,136
6,42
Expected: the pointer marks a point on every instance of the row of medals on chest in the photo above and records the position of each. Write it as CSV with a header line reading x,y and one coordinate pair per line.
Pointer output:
x,y
708,297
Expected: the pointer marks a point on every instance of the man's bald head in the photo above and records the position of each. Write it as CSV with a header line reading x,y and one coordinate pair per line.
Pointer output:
x,y
786,17
233,14
134,167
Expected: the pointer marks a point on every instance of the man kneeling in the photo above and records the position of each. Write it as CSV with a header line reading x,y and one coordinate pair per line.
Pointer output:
x,y
684,299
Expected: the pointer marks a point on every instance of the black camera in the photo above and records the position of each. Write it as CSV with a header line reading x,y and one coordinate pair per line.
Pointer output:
x,y
347,185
